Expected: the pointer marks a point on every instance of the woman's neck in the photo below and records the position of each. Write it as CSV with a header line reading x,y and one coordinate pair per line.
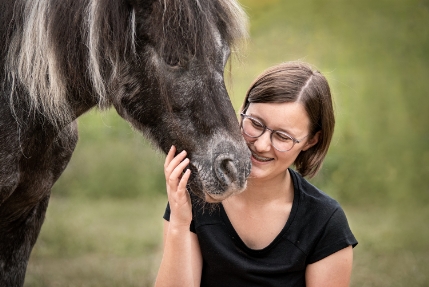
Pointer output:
x,y
260,191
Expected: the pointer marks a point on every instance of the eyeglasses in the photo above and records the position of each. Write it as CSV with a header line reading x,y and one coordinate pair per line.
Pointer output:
x,y
253,128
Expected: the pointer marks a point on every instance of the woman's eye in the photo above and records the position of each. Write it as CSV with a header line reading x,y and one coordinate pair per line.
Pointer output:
x,y
257,125
282,137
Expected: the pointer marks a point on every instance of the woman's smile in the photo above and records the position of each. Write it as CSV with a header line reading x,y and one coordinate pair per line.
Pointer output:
x,y
258,158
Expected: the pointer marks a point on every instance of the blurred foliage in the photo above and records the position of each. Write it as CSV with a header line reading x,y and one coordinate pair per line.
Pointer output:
x,y
111,160
375,56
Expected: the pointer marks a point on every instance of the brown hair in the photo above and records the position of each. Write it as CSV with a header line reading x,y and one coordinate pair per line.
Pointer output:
x,y
298,82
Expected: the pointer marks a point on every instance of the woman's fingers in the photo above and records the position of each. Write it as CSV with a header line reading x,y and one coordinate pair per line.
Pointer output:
x,y
174,168
171,161
177,176
177,172
184,181
169,156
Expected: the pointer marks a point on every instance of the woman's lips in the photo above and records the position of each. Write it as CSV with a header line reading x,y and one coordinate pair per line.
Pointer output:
x,y
261,158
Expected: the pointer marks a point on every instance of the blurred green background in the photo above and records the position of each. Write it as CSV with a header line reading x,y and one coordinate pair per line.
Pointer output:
x,y
104,222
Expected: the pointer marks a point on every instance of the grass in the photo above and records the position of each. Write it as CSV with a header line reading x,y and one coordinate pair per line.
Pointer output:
x,y
106,242
393,248
111,242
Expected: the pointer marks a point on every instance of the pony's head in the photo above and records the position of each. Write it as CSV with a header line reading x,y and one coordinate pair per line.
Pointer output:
x,y
159,62
176,94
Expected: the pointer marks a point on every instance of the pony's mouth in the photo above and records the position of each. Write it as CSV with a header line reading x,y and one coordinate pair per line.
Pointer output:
x,y
209,186
208,198
218,197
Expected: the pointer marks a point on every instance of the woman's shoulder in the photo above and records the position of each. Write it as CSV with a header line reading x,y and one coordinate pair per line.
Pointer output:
x,y
311,197
320,226
314,209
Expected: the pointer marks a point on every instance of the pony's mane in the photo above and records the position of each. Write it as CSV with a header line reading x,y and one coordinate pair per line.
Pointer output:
x,y
43,44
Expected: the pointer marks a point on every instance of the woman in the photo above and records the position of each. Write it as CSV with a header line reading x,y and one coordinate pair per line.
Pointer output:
x,y
281,231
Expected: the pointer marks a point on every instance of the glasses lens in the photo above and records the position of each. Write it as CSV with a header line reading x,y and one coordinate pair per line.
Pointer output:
x,y
252,127
282,141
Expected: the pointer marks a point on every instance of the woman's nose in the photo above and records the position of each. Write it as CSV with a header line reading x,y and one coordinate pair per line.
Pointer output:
x,y
263,143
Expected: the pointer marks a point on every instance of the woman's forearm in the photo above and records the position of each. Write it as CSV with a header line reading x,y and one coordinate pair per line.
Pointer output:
x,y
177,265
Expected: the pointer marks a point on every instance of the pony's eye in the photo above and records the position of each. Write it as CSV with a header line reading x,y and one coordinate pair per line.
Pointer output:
x,y
174,61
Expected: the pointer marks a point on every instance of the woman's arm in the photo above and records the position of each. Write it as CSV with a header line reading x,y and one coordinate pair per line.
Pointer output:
x,y
332,271
181,263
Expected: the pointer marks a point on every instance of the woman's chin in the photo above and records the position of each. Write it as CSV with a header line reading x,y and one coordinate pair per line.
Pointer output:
x,y
256,172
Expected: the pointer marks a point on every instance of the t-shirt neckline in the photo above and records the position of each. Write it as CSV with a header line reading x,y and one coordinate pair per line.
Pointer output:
x,y
294,209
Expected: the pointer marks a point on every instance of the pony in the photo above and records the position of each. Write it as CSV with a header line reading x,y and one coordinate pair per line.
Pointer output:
x,y
159,63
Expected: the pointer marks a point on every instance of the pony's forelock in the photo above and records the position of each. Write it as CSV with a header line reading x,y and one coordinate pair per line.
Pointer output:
x,y
104,50
237,24
34,60
187,27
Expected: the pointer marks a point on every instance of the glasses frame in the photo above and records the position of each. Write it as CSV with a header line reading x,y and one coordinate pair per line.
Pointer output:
x,y
265,128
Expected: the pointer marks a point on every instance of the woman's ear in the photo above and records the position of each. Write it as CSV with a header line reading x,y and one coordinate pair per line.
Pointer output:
x,y
311,142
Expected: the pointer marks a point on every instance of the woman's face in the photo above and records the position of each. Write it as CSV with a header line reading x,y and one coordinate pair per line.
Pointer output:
x,y
291,118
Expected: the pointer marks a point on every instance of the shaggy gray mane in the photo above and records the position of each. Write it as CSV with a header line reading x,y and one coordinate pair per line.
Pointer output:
x,y
48,40
188,28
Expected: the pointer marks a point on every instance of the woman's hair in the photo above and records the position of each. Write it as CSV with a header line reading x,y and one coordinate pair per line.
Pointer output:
x,y
299,82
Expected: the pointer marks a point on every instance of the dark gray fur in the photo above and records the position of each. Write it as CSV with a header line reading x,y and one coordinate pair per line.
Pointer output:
x,y
159,63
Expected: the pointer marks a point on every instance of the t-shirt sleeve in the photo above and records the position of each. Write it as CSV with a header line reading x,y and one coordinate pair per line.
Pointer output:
x,y
167,217
336,236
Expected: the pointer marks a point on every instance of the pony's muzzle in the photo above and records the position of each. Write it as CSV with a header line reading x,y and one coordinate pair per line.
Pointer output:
x,y
232,170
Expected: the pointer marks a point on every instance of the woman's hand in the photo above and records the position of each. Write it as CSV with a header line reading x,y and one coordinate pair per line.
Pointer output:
x,y
180,244
176,179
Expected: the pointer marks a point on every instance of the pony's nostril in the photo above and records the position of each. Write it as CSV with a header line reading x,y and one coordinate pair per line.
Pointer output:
x,y
225,169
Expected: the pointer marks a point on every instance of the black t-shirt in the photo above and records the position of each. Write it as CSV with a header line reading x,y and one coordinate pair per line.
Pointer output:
x,y
317,227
